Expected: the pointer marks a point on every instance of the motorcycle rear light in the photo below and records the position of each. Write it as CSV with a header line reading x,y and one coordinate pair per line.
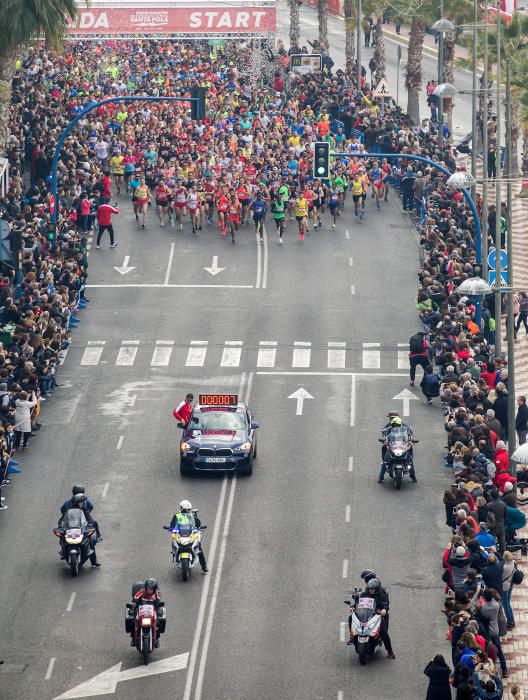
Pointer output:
x,y
146,622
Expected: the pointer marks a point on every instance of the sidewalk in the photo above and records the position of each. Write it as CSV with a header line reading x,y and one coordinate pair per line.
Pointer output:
x,y
429,45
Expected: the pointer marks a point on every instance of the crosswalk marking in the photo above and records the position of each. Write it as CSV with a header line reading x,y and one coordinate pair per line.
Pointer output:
x,y
403,355
127,353
336,355
231,353
267,353
162,353
92,354
371,356
301,354
197,353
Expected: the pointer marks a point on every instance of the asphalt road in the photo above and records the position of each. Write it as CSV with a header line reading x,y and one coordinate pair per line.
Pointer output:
x,y
284,545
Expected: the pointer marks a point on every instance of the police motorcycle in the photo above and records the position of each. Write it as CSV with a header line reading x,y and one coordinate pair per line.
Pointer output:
x,y
399,454
185,545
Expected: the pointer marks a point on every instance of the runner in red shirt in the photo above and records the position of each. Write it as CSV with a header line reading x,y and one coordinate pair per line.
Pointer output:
x,y
222,204
234,210
161,194
308,194
243,194
210,190
180,202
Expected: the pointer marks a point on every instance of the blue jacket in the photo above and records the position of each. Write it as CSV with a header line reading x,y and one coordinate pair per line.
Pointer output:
x,y
481,691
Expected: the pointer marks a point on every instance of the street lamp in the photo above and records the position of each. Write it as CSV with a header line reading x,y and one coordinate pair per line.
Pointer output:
x,y
475,287
443,90
442,26
461,180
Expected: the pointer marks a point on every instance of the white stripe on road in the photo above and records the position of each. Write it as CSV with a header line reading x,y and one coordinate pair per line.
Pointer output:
x,y
345,568
336,355
351,261
133,285
169,265
301,354
231,353
127,353
340,695
259,266
92,354
347,234
196,354
105,489
352,289
353,383
371,356
50,668
403,355
342,628
347,514
351,464
267,353
120,442
265,260
162,353
71,602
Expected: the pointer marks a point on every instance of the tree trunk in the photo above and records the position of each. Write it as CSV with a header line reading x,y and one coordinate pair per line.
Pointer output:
x,y
449,76
7,72
350,36
413,70
295,24
322,16
379,50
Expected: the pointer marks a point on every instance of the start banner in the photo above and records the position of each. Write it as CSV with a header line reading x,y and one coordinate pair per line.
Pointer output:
x,y
175,20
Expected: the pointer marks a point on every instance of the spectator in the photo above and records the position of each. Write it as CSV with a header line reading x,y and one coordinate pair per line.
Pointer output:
x,y
521,419
438,673
23,418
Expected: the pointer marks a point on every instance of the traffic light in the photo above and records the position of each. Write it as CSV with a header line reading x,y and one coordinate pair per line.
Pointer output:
x,y
321,163
198,108
52,230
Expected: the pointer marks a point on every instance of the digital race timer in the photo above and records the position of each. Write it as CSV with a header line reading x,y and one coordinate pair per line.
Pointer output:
x,y
218,400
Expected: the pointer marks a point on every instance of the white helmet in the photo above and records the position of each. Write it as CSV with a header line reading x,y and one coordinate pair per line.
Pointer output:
x,y
186,506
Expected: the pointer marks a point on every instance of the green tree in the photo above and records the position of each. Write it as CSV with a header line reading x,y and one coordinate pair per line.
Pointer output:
x,y
21,21
420,14
349,11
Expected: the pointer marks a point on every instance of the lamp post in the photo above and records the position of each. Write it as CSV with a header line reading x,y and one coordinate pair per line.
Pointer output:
x,y
475,287
485,142
474,136
358,45
441,27
498,182
443,90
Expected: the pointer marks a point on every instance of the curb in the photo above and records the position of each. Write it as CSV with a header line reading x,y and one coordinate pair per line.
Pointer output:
x,y
399,39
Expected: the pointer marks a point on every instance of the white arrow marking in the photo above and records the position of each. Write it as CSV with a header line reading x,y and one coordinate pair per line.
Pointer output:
x,y
106,682
124,267
406,396
214,269
301,394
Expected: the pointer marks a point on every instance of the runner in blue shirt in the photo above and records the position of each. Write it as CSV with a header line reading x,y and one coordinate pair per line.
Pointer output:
x,y
258,207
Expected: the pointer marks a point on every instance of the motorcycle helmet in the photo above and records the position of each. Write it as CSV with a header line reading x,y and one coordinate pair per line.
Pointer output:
x,y
396,421
77,489
185,506
373,585
368,575
393,414
79,499
151,583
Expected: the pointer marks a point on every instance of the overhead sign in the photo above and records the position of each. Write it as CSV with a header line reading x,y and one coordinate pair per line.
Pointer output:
x,y
306,63
187,17
382,89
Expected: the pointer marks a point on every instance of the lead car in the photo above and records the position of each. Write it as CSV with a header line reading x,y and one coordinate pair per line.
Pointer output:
x,y
220,437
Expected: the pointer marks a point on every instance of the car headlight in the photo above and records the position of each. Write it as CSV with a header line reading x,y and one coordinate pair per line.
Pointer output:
x,y
243,448
185,447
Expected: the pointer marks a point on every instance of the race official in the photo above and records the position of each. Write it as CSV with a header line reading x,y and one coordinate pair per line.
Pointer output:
x,y
104,219
183,411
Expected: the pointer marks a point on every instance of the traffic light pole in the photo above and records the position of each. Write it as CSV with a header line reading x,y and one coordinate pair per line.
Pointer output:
x,y
60,143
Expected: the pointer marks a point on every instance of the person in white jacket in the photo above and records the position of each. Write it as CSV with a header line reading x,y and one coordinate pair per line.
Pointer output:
x,y
23,407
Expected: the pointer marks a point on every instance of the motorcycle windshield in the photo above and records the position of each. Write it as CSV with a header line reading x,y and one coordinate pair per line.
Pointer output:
x,y
398,436
185,530
74,519
365,609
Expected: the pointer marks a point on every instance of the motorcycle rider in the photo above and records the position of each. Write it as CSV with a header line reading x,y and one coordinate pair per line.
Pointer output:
x,y
395,422
78,501
373,590
367,576
87,507
83,503
148,595
185,516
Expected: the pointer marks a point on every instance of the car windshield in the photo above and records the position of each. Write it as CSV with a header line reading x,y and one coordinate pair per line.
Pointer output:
x,y
218,421
73,518
399,435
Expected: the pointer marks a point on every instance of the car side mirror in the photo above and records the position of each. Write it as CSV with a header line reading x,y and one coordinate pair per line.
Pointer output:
x,y
254,425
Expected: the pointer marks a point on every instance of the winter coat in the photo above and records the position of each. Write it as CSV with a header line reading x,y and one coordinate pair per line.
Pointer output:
x,y
23,415
501,460
439,688
507,575
480,691
459,568
491,612
492,575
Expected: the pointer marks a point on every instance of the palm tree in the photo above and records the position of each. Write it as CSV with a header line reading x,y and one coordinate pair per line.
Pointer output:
x,y
322,16
350,35
419,13
22,21
295,23
378,8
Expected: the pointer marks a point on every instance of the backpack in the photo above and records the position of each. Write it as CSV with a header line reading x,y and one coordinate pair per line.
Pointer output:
x,y
416,343
518,576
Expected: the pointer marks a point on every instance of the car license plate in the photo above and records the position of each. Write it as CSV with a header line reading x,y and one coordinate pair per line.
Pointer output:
x,y
216,460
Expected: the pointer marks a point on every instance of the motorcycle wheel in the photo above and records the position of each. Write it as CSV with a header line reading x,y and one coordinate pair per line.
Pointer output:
x,y
74,565
397,480
185,569
146,649
362,653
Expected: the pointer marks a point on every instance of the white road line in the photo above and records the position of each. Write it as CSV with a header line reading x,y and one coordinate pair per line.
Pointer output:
x,y
351,464
301,354
50,668
347,514
231,354
347,234
267,353
92,354
345,568
169,264
265,260
353,383
336,355
105,490
351,261
371,356
259,266
403,356
71,602
340,695
352,289
342,629
162,353
171,286
366,375
196,354
120,442
126,355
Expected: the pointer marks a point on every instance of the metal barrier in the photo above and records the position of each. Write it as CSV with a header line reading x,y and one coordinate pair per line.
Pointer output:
x,y
4,177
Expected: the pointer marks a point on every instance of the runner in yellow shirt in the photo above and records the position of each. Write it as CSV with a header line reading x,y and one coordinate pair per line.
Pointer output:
x,y
301,213
118,170
365,185
357,192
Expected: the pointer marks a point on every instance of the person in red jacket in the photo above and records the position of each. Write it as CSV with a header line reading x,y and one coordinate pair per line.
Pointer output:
x,y
501,459
183,411
104,219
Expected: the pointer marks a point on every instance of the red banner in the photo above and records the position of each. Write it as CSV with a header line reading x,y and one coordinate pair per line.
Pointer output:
x,y
175,20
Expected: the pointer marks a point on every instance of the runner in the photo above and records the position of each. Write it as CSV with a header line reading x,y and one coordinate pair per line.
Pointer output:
x,y
193,201
180,202
234,210
357,192
376,178
334,204
301,212
117,168
278,209
364,185
222,206
143,197
258,207
161,194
